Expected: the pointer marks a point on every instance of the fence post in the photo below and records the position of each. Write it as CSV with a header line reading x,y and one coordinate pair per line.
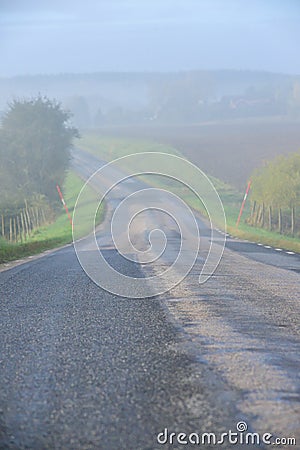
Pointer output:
x,y
2,226
293,221
10,229
19,228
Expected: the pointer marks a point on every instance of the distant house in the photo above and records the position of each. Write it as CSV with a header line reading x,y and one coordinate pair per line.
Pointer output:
x,y
242,102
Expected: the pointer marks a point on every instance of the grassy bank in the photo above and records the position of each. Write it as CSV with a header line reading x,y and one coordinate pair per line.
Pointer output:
x,y
53,235
111,148
232,200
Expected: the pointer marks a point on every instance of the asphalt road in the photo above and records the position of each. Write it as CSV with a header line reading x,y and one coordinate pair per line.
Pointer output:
x,y
85,369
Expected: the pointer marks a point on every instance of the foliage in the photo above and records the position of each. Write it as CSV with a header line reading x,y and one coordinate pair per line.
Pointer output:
x,y
276,186
35,141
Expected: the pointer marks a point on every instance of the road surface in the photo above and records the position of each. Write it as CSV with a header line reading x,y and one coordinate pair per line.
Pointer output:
x,y
85,369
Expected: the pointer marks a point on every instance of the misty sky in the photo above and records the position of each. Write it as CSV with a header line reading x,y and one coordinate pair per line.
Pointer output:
x,y
54,36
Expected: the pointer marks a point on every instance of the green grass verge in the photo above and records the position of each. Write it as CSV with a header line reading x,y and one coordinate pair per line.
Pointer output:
x,y
55,234
110,148
232,202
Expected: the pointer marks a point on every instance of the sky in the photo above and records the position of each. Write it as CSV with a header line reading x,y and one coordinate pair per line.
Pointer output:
x,y
42,36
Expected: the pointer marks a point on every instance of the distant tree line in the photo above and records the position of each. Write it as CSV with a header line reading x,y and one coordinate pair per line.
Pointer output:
x,y
35,141
104,99
275,195
188,99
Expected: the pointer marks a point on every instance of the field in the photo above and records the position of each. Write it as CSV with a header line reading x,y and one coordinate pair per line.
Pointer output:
x,y
227,150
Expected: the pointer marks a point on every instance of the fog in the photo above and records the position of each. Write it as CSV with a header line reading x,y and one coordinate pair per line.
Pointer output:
x,y
134,35
136,68
110,337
